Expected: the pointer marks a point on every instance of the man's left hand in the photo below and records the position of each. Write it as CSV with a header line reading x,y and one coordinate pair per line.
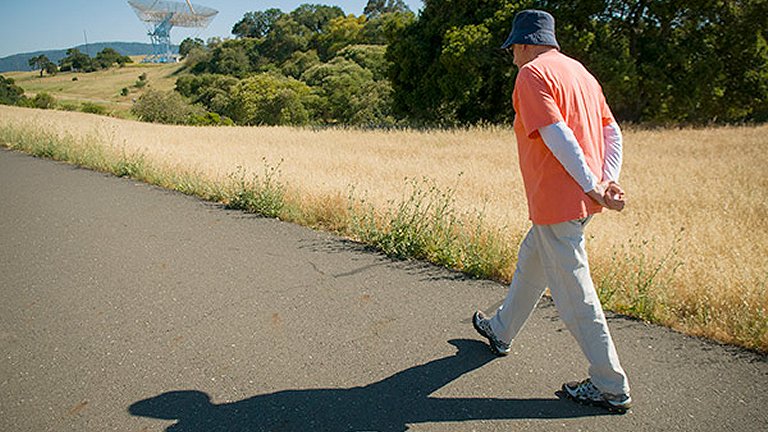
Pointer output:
x,y
614,197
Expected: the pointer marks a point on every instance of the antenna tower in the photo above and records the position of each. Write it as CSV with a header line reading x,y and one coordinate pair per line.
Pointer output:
x,y
161,16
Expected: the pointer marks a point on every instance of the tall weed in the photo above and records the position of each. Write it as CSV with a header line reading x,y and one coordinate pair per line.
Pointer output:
x,y
636,280
263,195
424,224
133,166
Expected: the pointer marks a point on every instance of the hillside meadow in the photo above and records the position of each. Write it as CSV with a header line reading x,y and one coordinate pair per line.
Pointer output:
x,y
690,251
103,88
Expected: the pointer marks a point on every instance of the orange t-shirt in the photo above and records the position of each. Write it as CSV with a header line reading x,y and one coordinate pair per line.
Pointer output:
x,y
549,89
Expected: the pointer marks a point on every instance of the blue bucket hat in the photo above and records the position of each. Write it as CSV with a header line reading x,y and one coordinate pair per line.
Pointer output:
x,y
532,27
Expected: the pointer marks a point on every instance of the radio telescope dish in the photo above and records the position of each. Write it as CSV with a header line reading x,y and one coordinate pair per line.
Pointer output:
x,y
161,16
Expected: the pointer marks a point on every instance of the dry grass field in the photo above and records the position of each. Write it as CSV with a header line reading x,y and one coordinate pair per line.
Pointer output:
x,y
102,87
690,251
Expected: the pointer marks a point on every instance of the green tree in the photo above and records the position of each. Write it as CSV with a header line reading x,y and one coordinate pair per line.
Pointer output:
x,y
272,40
376,8
269,99
286,37
108,56
297,31
371,57
51,68
230,58
210,119
315,17
712,66
721,49
92,108
198,59
213,41
189,44
660,61
348,94
339,33
43,63
467,63
76,61
446,66
213,91
382,29
299,62
256,24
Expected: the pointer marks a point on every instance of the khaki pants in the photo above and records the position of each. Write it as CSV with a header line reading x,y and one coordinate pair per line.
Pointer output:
x,y
554,256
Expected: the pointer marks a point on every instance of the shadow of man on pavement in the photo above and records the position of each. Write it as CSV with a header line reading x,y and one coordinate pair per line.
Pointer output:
x,y
387,405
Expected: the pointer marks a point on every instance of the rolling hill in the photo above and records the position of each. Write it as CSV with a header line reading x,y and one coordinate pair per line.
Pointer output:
x,y
20,62
103,87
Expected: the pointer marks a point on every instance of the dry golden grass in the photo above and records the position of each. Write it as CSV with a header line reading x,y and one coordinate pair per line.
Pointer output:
x,y
698,197
704,193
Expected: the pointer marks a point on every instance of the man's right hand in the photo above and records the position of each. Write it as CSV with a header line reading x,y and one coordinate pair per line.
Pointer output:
x,y
609,195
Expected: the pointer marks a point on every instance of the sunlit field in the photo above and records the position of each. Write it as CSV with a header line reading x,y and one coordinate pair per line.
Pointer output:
x,y
103,88
690,251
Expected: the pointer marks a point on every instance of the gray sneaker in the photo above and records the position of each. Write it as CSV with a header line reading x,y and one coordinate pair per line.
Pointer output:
x,y
483,326
586,393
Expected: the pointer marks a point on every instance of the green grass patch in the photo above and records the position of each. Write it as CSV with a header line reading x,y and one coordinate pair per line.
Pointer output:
x,y
263,195
635,283
424,224
90,152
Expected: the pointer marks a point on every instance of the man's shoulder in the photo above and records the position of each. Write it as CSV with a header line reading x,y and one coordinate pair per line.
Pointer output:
x,y
555,65
553,59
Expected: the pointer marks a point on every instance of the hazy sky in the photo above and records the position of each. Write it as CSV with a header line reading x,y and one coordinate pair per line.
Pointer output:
x,y
29,25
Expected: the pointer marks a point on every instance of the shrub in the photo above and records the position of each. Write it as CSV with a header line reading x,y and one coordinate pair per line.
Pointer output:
x,y
214,92
124,91
267,99
44,101
10,93
209,119
92,108
163,107
68,106
142,81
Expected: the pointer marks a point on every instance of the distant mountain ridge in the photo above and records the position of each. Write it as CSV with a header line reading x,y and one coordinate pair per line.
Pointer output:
x,y
20,62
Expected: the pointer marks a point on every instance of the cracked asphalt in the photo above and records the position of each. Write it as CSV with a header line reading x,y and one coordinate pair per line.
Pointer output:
x,y
126,307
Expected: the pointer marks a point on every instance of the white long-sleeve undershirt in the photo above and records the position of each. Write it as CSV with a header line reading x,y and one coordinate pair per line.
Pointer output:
x,y
613,152
562,142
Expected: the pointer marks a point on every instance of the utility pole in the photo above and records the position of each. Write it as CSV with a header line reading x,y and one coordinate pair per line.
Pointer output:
x,y
85,36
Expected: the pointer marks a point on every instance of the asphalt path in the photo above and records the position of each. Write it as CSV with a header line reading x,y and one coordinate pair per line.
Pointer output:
x,y
126,307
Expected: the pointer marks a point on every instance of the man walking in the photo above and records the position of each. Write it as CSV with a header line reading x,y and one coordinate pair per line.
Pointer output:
x,y
570,154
